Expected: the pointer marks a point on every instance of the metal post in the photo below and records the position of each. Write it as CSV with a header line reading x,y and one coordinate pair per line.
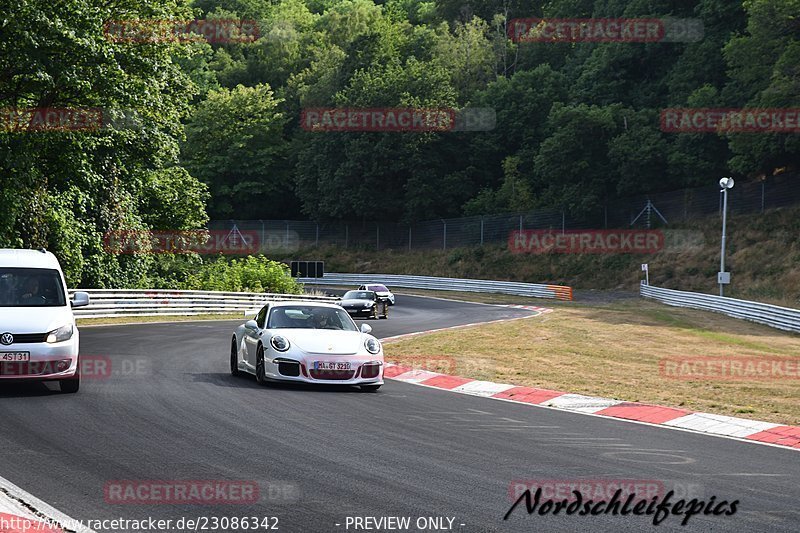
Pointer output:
x,y
520,223
316,240
763,185
481,231
444,236
409,238
563,223
724,222
346,234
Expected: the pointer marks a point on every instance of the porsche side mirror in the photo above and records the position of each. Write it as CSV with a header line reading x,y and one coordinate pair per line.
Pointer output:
x,y
251,325
366,328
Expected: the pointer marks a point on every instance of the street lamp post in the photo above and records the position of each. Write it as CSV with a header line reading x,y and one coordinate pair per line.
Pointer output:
x,y
724,278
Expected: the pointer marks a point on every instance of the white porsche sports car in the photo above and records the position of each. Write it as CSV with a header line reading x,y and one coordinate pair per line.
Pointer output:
x,y
308,342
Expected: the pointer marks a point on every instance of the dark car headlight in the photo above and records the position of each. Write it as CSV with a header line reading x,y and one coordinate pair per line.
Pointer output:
x,y
280,343
372,345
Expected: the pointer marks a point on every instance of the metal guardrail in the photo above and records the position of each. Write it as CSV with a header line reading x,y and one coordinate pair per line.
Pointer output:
x,y
774,316
104,303
446,284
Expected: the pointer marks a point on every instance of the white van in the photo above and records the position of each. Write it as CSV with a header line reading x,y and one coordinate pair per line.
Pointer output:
x,y
38,335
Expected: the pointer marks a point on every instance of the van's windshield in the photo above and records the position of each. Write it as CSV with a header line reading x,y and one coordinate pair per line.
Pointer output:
x,y
31,287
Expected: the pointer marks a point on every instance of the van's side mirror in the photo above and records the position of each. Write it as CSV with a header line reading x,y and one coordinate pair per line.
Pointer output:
x,y
81,299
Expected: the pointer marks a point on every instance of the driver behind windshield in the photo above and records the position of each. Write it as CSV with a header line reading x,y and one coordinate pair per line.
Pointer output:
x,y
324,319
31,291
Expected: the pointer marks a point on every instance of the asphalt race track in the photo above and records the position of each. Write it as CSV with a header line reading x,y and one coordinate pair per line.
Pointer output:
x,y
171,411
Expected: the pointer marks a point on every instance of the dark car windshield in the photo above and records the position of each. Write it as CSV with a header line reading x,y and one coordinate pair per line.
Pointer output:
x,y
31,287
378,288
359,295
310,317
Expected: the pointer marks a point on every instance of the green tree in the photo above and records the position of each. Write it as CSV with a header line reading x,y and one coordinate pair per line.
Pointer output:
x,y
235,144
64,190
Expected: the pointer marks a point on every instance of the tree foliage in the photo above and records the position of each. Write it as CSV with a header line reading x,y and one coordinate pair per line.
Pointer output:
x,y
217,124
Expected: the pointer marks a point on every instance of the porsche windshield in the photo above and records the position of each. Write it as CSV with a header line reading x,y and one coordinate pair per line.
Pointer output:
x,y
31,287
309,317
359,295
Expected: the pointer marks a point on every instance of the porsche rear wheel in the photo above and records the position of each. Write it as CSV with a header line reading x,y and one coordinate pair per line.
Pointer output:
x,y
261,373
234,359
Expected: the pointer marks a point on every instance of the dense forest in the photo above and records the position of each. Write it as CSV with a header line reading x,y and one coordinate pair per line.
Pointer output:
x,y
217,121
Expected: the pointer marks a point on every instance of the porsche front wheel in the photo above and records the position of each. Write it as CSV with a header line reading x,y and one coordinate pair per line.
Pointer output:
x,y
234,359
261,373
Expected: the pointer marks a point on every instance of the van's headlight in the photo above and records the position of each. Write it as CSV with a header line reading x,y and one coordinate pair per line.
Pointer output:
x,y
372,346
64,333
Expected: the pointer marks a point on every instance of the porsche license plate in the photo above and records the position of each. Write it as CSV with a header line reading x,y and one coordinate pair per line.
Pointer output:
x,y
15,356
331,365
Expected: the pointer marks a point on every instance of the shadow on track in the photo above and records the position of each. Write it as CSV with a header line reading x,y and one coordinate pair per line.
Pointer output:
x,y
249,382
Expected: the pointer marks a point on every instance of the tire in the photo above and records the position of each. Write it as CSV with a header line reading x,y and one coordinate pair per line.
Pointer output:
x,y
261,376
370,388
234,359
73,384
374,312
385,310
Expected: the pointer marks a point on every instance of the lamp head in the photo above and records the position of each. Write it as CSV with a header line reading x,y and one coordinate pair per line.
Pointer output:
x,y
726,183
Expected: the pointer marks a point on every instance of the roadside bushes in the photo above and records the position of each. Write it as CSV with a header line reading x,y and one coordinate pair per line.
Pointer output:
x,y
249,274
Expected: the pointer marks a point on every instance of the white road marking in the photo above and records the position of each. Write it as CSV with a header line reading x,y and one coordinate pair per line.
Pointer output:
x,y
15,501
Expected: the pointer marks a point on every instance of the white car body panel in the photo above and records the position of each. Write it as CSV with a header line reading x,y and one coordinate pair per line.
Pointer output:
x,y
17,320
308,346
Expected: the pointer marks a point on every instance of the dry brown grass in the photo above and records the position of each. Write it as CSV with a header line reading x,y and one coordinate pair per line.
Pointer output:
x,y
614,351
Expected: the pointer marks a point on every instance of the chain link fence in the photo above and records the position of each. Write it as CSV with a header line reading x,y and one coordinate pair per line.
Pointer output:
x,y
657,210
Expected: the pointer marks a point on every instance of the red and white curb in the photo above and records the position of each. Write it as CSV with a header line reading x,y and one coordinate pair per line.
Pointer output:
x,y
670,417
21,512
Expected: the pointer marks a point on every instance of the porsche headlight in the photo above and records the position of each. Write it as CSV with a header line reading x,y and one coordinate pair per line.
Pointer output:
x,y
368,304
280,343
64,333
372,345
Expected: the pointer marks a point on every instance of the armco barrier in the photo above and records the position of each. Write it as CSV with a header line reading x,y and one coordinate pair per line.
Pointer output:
x,y
771,315
105,303
445,284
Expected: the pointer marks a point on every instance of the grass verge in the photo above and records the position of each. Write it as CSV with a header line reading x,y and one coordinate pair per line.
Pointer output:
x,y
120,320
614,351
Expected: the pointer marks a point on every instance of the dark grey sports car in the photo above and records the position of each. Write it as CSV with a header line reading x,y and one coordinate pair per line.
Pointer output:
x,y
365,303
